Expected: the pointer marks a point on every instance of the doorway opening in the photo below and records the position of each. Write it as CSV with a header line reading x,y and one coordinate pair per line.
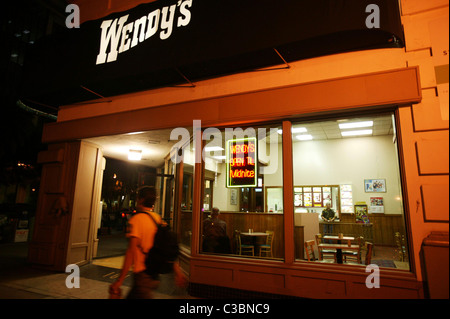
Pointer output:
x,y
134,160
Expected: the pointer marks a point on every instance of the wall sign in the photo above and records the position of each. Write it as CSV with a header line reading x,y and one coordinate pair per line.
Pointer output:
x,y
164,42
242,162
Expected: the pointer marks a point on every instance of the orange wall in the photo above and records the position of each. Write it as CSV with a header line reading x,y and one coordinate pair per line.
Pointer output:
x,y
424,126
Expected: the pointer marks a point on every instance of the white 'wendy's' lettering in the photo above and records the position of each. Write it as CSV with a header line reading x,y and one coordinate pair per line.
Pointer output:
x,y
119,36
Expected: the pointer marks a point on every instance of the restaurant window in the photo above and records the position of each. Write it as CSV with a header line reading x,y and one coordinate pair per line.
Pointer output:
x,y
347,192
242,213
182,157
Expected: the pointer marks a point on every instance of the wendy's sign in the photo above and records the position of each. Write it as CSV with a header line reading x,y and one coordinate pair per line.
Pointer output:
x,y
242,162
165,42
132,33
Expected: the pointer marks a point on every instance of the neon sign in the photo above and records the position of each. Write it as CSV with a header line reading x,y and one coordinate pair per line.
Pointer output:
x,y
242,162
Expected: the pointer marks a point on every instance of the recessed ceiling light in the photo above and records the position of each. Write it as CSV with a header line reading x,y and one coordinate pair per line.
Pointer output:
x,y
135,155
304,137
295,130
356,125
354,133
213,148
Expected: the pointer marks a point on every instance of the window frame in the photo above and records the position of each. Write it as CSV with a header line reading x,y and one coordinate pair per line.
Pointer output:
x,y
288,188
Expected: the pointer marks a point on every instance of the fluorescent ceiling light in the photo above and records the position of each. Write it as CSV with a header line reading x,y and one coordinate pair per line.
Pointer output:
x,y
135,155
135,133
213,148
353,133
304,137
295,130
219,158
356,124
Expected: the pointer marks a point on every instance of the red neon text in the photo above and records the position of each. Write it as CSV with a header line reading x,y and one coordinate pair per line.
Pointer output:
x,y
242,161
241,173
245,149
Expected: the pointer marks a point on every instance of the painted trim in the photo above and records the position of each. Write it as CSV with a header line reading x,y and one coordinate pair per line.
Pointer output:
x,y
365,90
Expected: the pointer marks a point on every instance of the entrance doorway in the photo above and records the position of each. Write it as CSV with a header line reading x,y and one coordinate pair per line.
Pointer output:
x,y
155,165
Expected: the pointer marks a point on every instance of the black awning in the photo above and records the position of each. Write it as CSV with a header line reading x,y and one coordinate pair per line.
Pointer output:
x,y
167,42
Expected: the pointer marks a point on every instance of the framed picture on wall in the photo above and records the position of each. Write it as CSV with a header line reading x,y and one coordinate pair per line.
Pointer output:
x,y
375,185
361,214
233,196
376,205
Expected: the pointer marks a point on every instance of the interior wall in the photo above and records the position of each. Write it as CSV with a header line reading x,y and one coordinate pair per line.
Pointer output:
x,y
334,162
350,161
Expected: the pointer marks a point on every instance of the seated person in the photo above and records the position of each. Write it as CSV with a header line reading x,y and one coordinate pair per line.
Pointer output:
x,y
215,239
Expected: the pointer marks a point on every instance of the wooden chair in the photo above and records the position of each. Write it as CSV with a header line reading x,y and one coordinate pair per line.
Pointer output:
x,y
353,255
368,258
309,249
369,251
243,248
267,247
325,253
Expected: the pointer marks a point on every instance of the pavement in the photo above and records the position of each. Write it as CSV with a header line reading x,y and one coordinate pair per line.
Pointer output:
x,y
19,280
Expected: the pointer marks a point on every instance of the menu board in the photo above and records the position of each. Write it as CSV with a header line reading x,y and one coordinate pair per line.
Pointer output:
x,y
346,198
312,196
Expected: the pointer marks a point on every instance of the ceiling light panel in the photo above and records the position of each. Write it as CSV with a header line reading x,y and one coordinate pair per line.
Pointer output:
x,y
343,126
356,133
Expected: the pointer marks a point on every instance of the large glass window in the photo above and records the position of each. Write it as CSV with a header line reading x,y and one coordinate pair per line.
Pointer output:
x,y
347,192
242,212
186,179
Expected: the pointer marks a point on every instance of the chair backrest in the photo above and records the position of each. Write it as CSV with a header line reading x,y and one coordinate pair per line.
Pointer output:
x,y
318,239
369,248
361,242
309,248
237,236
269,238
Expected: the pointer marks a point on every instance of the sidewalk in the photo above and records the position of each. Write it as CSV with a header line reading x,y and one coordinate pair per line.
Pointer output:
x,y
20,281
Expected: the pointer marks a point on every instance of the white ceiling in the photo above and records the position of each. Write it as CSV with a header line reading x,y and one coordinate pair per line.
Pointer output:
x,y
156,145
326,130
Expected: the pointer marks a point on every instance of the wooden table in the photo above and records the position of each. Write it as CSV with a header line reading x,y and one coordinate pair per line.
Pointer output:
x,y
347,239
339,248
255,236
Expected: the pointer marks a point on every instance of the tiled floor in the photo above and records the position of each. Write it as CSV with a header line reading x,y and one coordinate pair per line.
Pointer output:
x,y
111,262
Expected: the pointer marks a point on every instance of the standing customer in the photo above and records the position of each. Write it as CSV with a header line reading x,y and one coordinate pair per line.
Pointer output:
x,y
328,215
141,235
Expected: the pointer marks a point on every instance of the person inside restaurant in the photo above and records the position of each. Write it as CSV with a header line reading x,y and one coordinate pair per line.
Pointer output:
x,y
328,215
215,239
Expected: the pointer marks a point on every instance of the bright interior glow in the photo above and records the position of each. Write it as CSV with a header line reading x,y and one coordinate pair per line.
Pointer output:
x,y
356,125
213,148
135,155
295,130
304,137
135,133
353,133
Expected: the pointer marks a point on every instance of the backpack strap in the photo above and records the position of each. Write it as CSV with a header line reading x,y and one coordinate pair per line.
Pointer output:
x,y
150,215
156,224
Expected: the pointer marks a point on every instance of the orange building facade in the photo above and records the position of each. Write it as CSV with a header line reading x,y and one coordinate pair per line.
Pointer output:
x,y
410,84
